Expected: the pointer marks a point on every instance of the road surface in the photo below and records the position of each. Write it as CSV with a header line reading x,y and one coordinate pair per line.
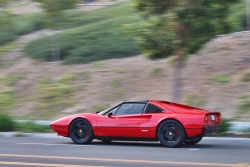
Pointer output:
x,y
61,152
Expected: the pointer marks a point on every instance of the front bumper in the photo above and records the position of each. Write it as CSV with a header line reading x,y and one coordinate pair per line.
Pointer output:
x,y
211,129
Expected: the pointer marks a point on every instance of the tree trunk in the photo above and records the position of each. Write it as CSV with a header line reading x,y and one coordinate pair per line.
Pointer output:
x,y
55,46
177,78
55,50
248,14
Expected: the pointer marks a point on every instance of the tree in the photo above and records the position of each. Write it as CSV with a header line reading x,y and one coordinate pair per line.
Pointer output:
x,y
53,10
178,27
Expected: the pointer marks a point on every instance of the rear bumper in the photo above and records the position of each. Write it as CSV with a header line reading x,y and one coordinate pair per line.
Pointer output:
x,y
211,129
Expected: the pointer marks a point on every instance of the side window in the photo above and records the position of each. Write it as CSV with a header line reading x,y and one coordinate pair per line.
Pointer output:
x,y
153,109
130,108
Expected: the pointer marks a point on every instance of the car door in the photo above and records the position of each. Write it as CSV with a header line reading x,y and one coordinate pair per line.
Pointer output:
x,y
122,121
149,120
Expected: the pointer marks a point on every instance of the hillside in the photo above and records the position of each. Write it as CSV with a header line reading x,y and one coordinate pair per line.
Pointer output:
x,y
51,90
216,78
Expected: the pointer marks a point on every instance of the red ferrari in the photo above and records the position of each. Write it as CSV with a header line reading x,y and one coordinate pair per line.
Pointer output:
x,y
152,120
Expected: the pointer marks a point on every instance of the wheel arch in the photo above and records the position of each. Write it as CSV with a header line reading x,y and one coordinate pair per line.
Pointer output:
x,y
166,119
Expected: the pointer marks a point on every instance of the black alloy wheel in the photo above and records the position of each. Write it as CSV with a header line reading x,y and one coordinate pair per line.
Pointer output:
x,y
171,134
80,131
193,140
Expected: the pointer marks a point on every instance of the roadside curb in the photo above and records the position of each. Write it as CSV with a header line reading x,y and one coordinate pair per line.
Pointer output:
x,y
33,135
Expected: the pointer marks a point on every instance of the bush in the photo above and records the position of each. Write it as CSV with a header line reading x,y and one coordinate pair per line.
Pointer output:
x,y
103,36
225,126
6,122
30,126
19,25
88,43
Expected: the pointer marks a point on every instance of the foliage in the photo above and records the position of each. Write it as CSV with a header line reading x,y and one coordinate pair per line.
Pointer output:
x,y
31,126
89,43
220,78
244,106
237,16
12,26
186,25
6,122
54,8
225,126
246,77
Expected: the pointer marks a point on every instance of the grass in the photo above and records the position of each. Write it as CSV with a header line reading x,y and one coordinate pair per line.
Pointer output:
x,y
193,100
98,108
220,78
11,79
9,47
246,77
157,70
243,107
97,64
116,83
55,95
8,99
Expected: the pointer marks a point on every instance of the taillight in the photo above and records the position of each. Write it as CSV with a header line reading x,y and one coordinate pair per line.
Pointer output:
x,y
206,118
219,117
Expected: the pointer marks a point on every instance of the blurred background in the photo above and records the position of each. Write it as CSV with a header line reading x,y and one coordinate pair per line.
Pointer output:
x,y
63,57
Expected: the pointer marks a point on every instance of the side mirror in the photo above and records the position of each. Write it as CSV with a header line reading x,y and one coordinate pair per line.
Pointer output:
x,y
110,114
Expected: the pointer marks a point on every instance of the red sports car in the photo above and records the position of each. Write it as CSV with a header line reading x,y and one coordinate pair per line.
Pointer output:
x,y
153,120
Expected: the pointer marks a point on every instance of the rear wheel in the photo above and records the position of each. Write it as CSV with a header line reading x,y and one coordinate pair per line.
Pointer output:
x,y
193,140
171,134
80,131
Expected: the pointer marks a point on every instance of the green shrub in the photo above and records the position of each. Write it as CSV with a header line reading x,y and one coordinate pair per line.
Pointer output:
x,y
225,127
220,78
103,39
6,122
244,105
30,127
19,25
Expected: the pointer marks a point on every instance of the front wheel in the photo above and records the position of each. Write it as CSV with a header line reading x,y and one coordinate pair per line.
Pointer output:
x,y
171,134
80,131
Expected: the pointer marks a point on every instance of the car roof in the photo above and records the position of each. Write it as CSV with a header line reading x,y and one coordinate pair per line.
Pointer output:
x,y
136,101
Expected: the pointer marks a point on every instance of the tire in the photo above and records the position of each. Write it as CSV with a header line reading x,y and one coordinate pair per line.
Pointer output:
x,y
80,131
193,140
171,133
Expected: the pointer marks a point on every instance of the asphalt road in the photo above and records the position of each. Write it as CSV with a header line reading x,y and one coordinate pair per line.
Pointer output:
x,y
61,152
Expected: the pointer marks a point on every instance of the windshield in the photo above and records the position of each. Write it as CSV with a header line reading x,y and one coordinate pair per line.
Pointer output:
x,y
104,111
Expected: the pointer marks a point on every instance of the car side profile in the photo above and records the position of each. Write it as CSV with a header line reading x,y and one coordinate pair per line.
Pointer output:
x,y
152,120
